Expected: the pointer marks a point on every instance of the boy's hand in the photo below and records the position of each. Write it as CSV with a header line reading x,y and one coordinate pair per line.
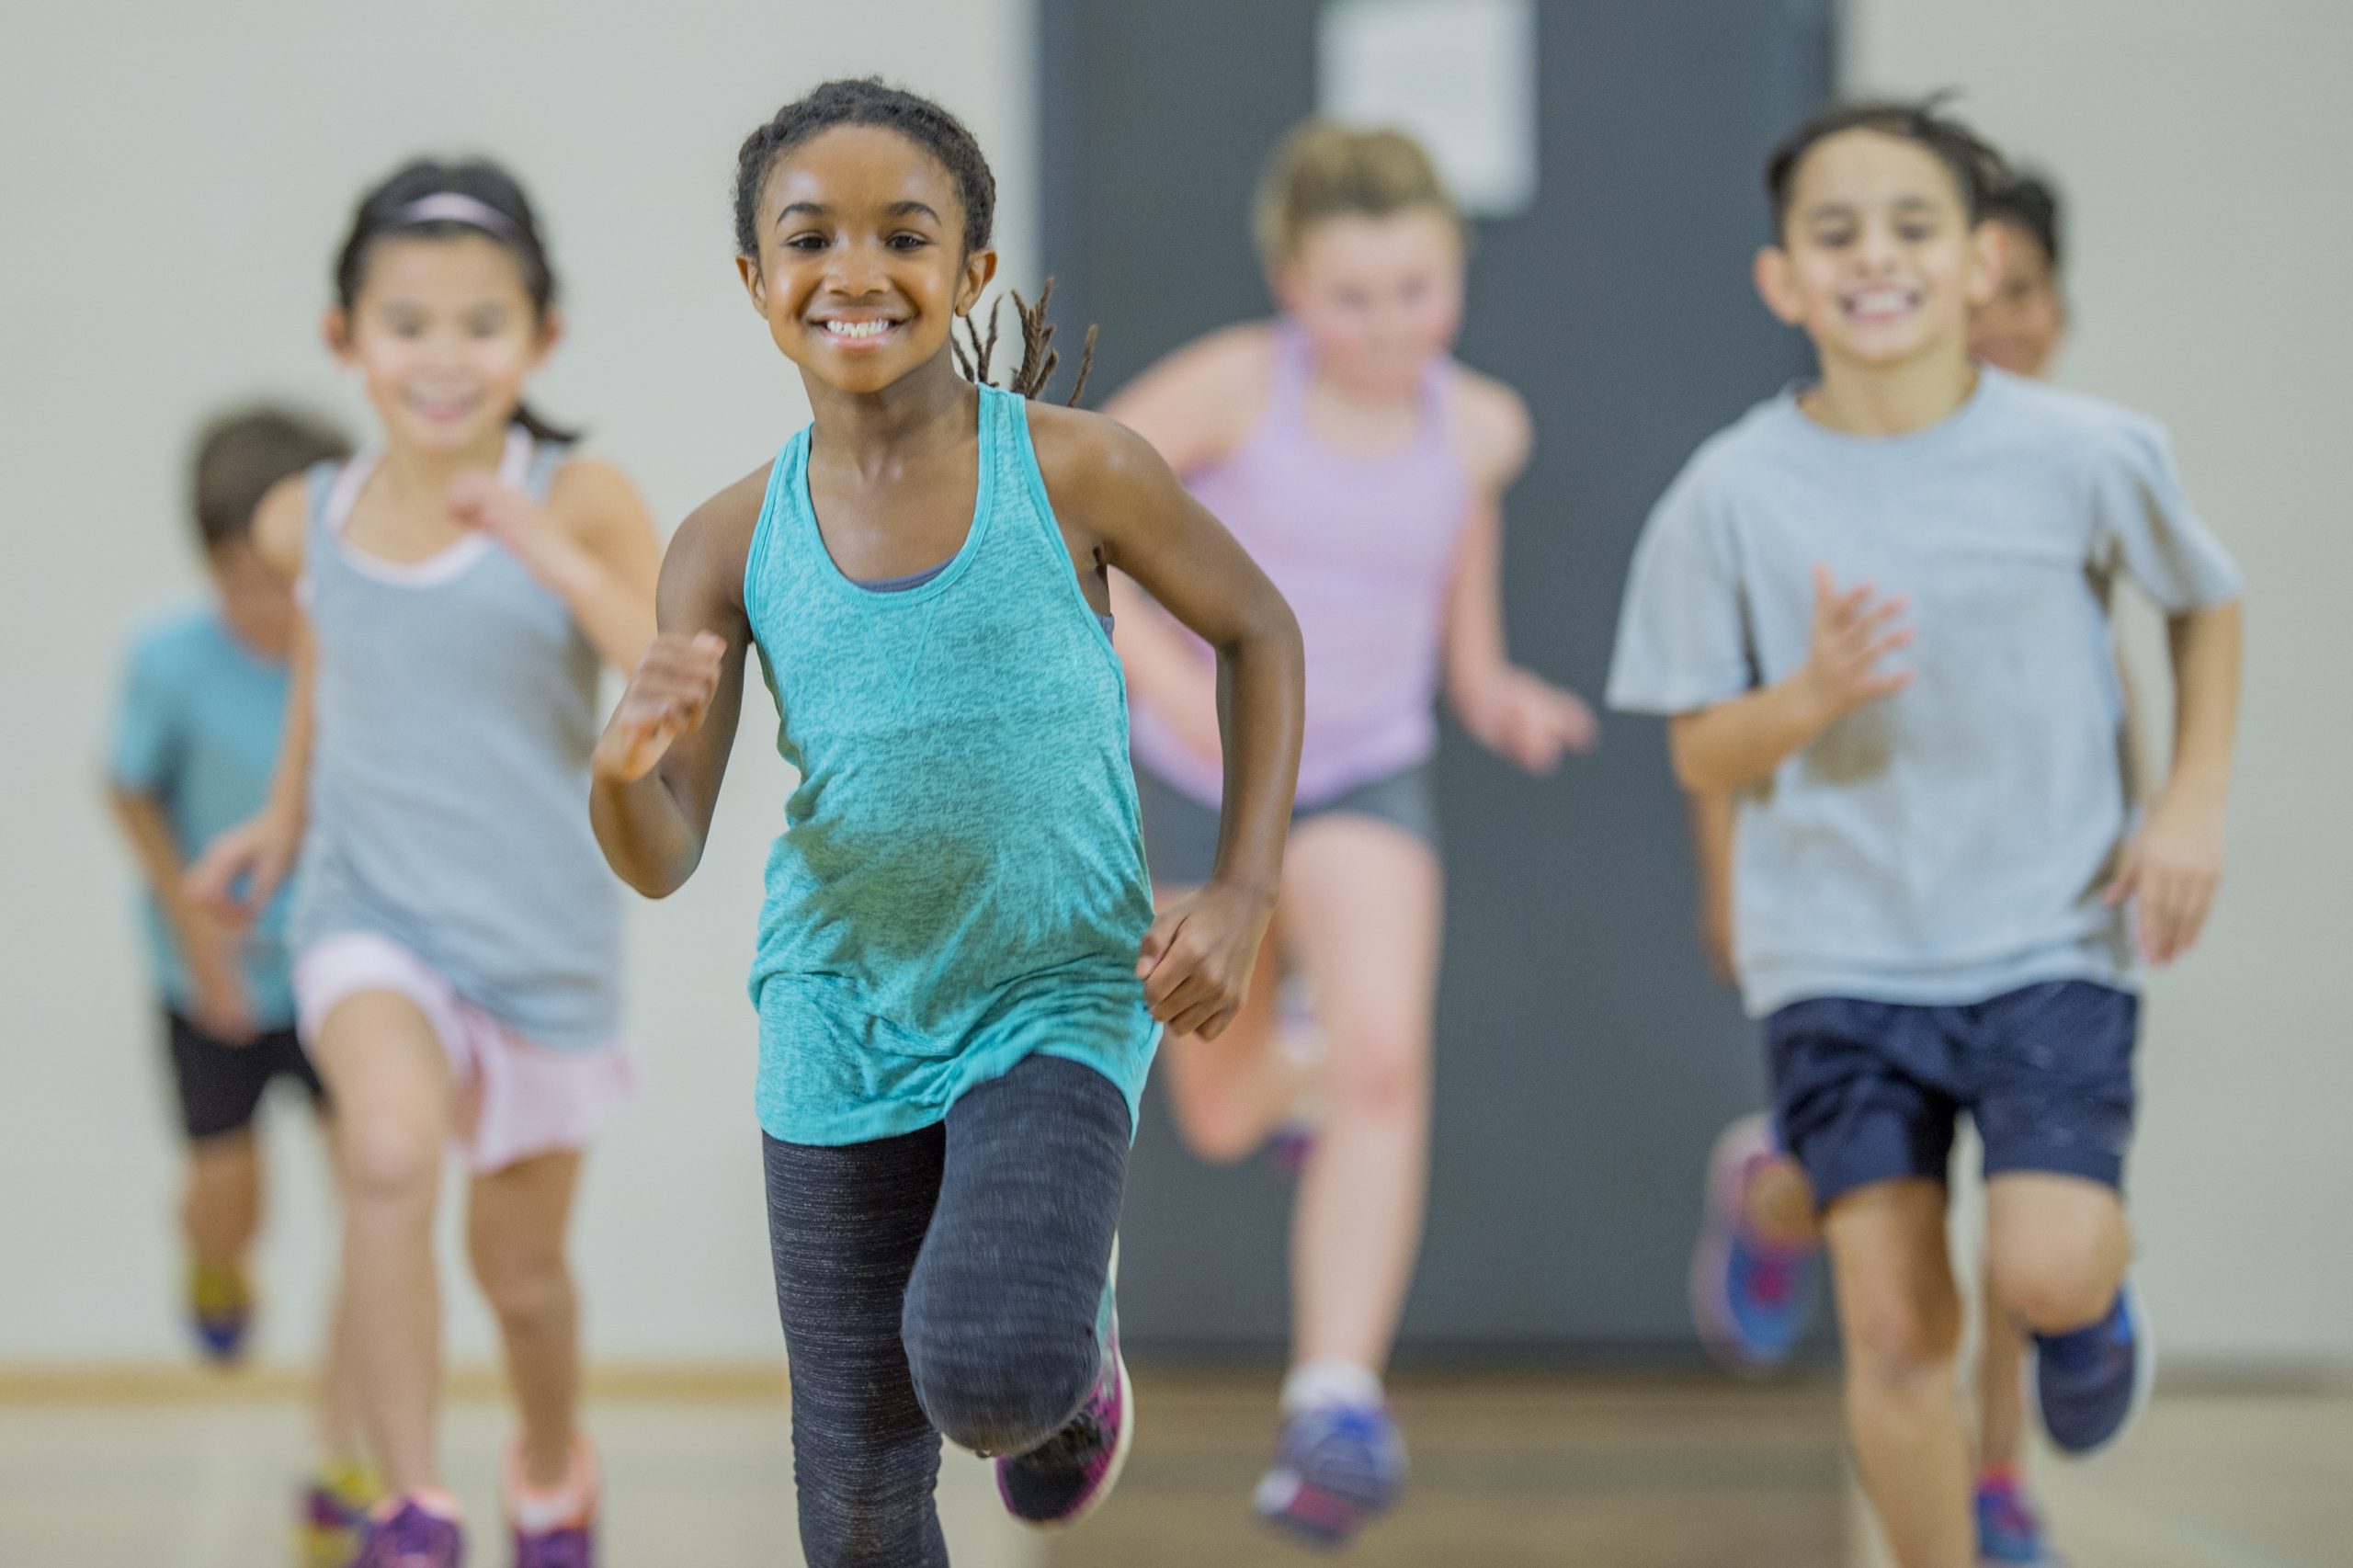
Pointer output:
x,y
668,696
242,870
1853,631
219,1003
2172,867
1529,722
1196,960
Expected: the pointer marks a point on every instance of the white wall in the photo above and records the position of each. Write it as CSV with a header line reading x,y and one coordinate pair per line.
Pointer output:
x,y
178,178
2201,147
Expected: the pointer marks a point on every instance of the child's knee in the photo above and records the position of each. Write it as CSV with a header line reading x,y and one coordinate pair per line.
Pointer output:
x,y
2052,1290
999,1387
1903,1337
523,1288
1381,1068
1216,1126
390,1159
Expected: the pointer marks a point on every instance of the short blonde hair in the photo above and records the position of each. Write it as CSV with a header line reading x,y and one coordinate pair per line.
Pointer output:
x,y
1328,170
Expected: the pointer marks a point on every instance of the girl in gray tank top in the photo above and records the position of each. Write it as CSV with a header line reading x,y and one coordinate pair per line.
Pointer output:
x,y
457,937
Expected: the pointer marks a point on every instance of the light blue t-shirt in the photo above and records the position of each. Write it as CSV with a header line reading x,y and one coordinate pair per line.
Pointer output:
x,y
1948,844
197,733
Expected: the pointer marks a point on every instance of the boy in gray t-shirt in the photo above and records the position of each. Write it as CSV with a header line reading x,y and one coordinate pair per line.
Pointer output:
x,y
1875,610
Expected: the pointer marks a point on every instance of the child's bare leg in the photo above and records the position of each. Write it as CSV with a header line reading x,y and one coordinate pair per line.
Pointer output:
x,y
1364,903
220,1205
2001,1386
1227,1094
389,1079
1781,1205
2056,1248
515,1236
1900,1318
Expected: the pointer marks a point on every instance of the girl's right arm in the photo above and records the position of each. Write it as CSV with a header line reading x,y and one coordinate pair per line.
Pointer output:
x,y
242,870
658,766
1195,407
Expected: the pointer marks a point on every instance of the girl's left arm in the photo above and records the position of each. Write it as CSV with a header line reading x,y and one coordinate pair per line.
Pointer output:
x,y
1508,709
1109,482
592,545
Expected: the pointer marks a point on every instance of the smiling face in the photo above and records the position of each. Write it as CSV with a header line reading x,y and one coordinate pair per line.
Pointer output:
x,y
1379,297
443,335
862,270
2020,327
1877,260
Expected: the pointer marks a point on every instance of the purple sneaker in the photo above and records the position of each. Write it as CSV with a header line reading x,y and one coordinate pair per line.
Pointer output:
x,y
220,1312
413,1536
1751,1301
2090,1385
559,1532
1069,1477
2009,1532
1338,1467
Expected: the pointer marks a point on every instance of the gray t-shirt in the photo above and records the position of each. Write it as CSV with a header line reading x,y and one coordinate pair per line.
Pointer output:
x,y
1949,843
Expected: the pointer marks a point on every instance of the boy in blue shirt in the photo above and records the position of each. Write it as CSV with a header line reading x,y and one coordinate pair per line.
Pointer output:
x,y
1875,610
196,740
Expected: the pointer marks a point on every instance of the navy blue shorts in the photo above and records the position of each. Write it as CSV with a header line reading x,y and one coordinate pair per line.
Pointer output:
x,y
1868,1092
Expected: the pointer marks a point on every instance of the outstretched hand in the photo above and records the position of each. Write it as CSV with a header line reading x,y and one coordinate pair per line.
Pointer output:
x,y
1854,629
2171,869
1529,721
668,696
1196,960
242,870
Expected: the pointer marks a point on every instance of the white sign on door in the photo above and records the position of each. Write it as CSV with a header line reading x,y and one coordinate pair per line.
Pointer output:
x,y
1459,75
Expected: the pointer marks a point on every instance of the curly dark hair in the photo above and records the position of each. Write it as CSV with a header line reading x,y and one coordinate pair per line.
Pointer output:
x,y
869,100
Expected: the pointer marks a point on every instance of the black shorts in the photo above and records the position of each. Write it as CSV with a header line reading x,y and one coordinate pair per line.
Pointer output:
x,y
1181,833
221,1084
1868,1092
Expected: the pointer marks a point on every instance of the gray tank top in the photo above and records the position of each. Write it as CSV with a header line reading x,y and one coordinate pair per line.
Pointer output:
x,y
456,707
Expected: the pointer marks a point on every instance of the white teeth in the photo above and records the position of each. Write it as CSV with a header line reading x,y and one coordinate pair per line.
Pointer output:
x,y
858,328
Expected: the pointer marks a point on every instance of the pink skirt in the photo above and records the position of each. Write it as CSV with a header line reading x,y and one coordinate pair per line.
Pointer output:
x,y
516,1098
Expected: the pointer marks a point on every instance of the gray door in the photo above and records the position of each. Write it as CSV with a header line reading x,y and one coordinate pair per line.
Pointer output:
x,y
1586,1059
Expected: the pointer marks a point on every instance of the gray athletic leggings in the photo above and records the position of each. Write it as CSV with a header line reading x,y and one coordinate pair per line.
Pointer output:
x,y
942,1282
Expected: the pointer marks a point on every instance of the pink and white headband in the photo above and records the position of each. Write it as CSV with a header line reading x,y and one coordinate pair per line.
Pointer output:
x,y
457,207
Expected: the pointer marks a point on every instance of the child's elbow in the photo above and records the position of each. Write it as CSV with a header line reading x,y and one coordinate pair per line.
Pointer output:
x,y
1689,758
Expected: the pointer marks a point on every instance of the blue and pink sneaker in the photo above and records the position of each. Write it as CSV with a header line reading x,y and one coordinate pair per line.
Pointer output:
x,y
2089,1385
1073,1474
2009,1532
413,1535
1338,1468
1750,1299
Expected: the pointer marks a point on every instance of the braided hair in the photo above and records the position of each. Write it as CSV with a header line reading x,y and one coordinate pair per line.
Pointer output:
x,y
868,100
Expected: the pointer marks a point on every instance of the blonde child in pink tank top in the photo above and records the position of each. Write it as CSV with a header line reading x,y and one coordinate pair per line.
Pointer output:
x,y
1364,470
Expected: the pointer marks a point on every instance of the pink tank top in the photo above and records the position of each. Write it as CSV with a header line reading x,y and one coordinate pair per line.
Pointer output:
x,y
1363,548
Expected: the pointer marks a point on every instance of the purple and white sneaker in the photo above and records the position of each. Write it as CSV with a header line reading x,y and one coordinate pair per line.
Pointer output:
x,y
2009,1530
1750,1300
1068,1477
1338,1468
413,1536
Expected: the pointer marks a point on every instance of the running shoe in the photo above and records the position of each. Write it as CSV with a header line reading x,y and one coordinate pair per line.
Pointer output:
x,y
563,1535
333,1515
413,1536
1338,1468
219,1311
2089,1385
1750,1299
2009,1530
1073,1471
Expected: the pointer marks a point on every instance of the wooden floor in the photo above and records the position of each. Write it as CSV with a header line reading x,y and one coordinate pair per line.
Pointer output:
x,y
1616,1472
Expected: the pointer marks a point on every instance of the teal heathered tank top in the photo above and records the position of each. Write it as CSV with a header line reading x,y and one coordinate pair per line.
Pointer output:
x,y
960,881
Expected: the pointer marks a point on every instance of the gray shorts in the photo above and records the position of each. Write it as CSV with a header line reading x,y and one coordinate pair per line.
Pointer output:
x,y
1181,833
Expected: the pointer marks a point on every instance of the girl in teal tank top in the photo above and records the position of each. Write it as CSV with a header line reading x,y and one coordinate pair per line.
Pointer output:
x,y
961,978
